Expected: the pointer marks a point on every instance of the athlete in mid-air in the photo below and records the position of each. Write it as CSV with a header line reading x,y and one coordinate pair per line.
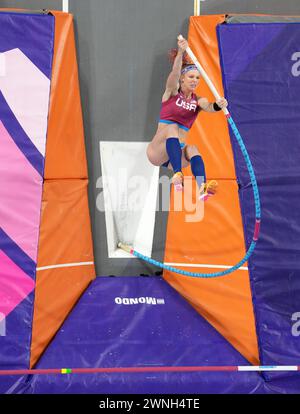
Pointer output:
x,y
179,110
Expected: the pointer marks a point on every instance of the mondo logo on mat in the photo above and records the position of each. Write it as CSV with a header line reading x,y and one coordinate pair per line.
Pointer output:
x,y
140,301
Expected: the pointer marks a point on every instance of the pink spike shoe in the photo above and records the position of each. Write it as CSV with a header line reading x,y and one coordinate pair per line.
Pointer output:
x,y
208,190
177,180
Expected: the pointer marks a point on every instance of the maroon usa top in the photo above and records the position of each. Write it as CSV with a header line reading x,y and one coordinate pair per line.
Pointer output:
x,y
178,109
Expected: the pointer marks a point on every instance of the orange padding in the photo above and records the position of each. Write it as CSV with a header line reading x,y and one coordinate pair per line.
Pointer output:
x,y
218,239
65,232
66,157
65,238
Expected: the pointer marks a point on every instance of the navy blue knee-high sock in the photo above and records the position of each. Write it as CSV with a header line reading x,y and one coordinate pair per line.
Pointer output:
x,y
174,152
198,169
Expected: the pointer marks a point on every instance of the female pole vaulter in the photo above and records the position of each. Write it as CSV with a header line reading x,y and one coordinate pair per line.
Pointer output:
x,y
179,110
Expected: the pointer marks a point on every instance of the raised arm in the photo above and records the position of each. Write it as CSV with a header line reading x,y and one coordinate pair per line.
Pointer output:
x,y
172,84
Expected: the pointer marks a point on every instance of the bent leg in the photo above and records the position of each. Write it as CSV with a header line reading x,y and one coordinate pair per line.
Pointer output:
x,y
198,170
157,149
197,165
184,162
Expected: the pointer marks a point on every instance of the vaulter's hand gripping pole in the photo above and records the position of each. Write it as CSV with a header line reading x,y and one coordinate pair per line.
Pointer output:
x,y
253,182
204,75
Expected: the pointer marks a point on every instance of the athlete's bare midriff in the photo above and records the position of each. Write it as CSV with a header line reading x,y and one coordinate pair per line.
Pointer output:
x,y
182,133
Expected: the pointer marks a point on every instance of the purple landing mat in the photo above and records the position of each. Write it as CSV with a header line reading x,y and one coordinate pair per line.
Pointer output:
x,y
139,322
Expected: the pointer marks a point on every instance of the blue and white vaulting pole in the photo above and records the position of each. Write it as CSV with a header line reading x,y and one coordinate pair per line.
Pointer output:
x,y
253,182
237,136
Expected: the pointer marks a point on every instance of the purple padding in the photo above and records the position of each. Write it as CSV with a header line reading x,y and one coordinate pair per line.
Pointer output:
x,y
264,102
26,52
32,34
101,333
275,272
237,59
263,97
15,285
19,136
20,196
15,345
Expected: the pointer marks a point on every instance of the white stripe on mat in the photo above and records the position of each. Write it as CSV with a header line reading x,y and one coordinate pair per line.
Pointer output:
x,y
38,269
269,368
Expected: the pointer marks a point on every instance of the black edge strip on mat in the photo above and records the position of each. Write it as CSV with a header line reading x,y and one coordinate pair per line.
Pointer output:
x,y
26,11
246,18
